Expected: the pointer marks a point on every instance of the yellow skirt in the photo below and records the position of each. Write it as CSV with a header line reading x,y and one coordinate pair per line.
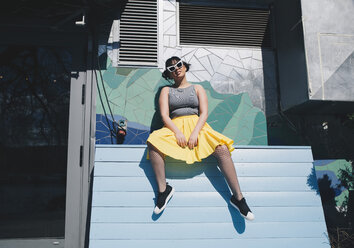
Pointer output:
x,y
208,139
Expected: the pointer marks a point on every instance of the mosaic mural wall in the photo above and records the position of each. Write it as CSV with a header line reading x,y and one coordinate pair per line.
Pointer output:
x,y
233,78
133,96
230,70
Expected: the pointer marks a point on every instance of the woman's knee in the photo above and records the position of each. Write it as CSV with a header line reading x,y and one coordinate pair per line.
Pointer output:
x,y
221,152
153,149
222,149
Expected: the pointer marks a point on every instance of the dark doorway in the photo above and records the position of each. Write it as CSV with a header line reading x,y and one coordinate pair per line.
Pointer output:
x,y
34,117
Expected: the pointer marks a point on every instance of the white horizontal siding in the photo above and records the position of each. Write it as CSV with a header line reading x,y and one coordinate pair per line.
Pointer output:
x,y
202,184
274,181
134,169
206,199
166,231
197,214
212,243
248,155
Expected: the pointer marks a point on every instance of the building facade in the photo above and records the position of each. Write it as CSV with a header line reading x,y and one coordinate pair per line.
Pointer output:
x,y
72,73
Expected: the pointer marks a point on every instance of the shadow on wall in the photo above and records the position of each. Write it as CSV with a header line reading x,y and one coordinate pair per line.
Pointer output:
x,y
156,121
340,234
323,185
338,216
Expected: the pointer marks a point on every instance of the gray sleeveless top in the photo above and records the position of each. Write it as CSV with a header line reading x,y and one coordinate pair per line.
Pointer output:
x,y
183,101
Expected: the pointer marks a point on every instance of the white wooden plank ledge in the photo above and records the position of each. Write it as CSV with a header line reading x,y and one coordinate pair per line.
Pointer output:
x,y
274,179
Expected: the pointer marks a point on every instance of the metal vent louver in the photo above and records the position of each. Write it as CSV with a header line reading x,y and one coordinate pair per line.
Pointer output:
x,y
206,25
138,33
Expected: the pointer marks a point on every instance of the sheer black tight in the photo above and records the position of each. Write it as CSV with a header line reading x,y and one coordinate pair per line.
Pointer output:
x,y
221,153
227,167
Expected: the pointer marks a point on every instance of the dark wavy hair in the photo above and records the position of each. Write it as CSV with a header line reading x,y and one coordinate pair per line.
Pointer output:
x,y
166,74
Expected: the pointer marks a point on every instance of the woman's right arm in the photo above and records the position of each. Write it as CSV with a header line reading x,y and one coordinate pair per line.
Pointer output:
x,y
165,114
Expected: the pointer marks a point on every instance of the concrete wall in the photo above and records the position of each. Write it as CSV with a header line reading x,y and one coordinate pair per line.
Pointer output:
x,y
291,54
329,43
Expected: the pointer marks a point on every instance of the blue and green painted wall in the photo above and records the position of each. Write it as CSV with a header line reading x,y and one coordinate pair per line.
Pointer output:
x,y
133,96
330,170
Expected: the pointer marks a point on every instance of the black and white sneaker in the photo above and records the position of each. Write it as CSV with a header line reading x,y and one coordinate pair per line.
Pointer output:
x,y
163,198
242,206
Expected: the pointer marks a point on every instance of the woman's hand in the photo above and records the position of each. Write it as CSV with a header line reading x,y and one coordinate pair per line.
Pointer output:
x,y
181,140
193,140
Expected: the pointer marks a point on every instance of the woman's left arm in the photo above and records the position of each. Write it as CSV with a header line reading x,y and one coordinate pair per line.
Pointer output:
x,y
203,116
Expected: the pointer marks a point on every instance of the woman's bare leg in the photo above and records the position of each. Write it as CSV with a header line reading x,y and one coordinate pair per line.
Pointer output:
x,y
158,165
227,167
